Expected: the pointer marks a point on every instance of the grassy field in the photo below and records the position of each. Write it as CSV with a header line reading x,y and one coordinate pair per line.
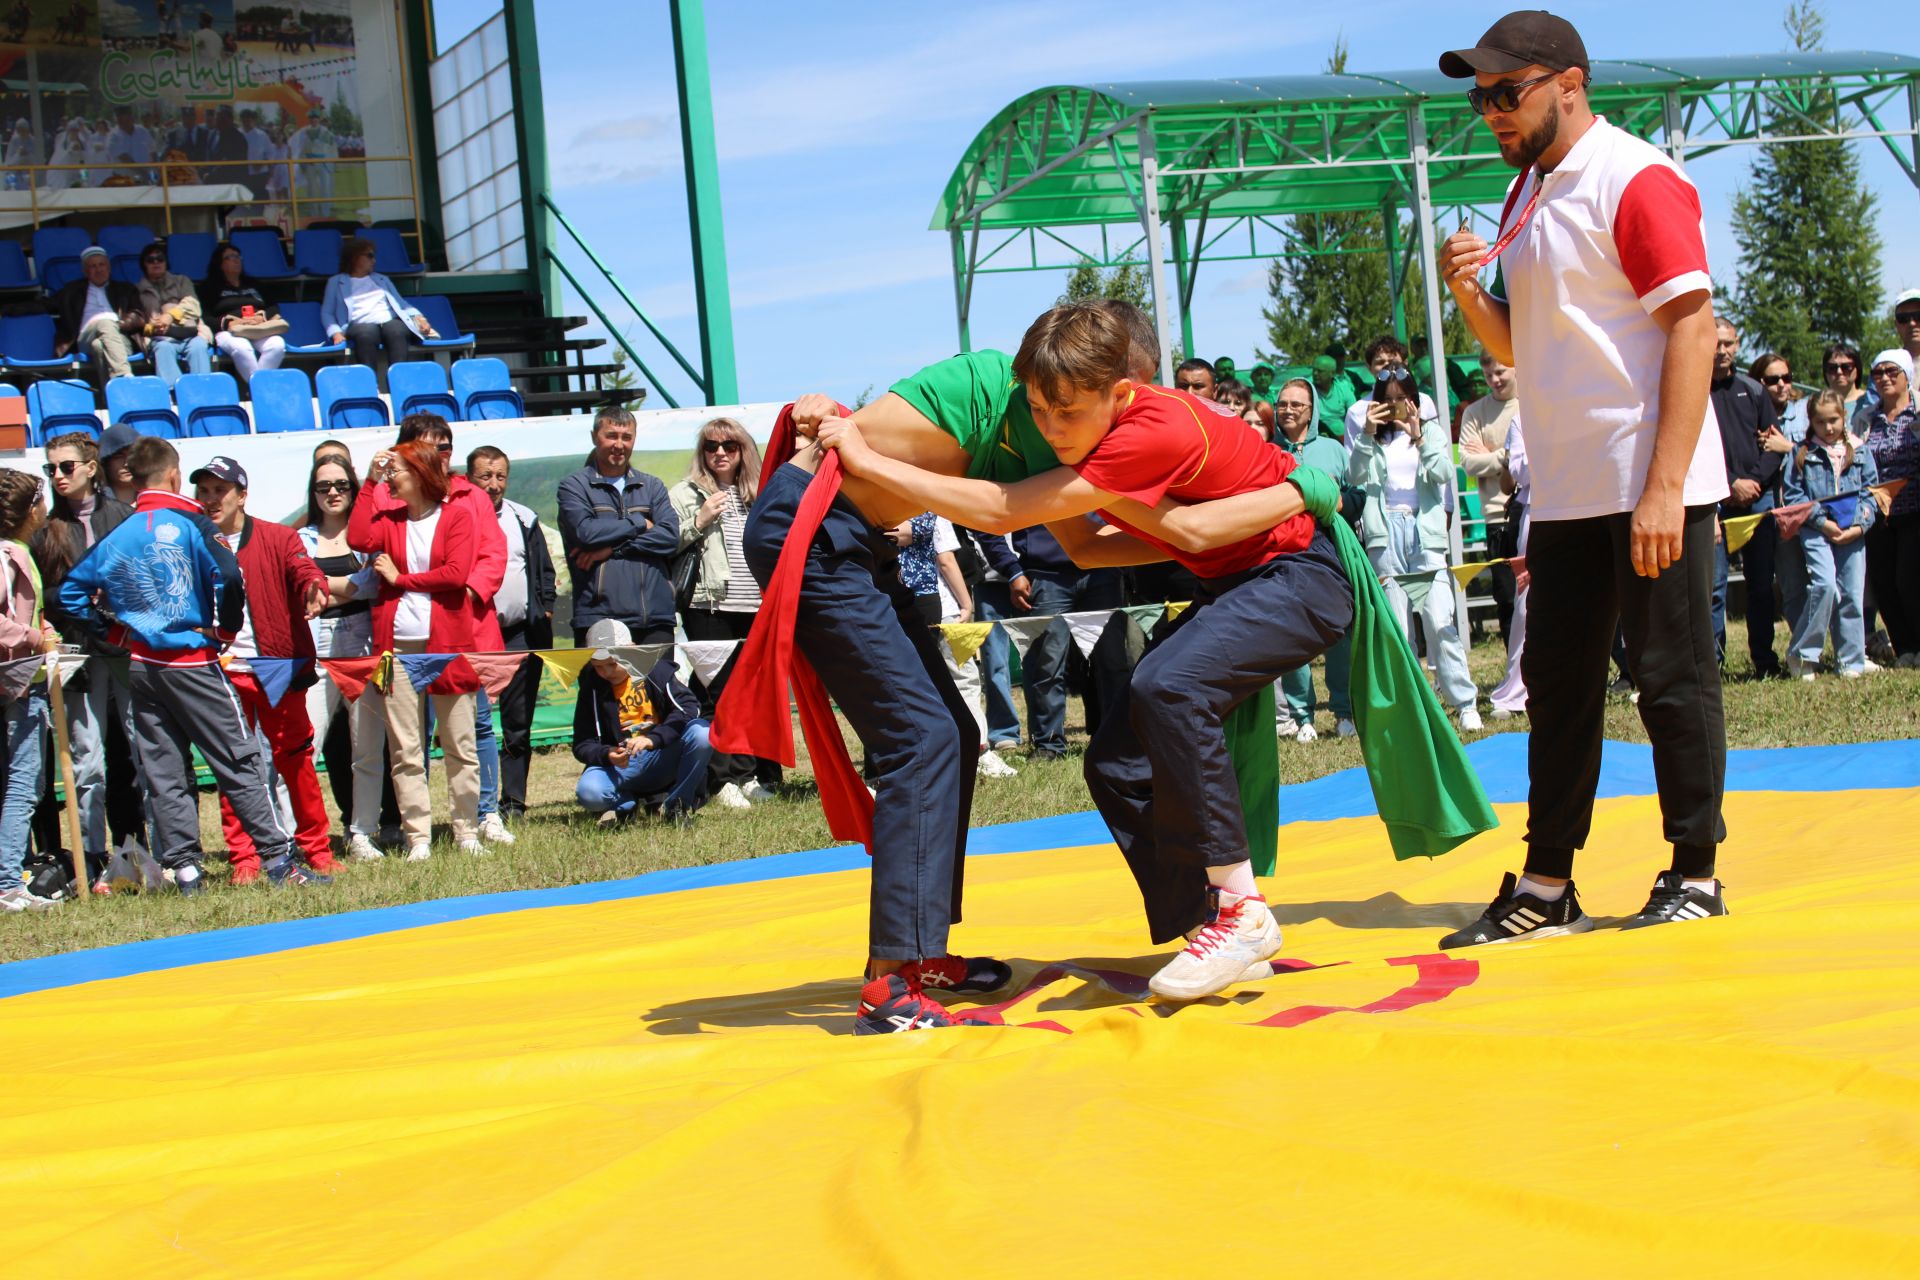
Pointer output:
x,y
559,846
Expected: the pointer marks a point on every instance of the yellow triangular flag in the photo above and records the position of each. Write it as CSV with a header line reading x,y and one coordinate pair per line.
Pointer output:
x,y
1738,532
1178,607
965,638
1465,573
565,663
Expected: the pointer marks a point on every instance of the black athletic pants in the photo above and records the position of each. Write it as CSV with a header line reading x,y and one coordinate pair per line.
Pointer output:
x,y
517,703
1583,587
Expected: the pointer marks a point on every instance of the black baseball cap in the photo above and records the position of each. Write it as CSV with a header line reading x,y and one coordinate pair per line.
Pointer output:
x,y
1524,38
221,468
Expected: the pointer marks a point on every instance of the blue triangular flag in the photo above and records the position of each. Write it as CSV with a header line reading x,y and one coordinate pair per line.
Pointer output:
x,y
276,675
423,668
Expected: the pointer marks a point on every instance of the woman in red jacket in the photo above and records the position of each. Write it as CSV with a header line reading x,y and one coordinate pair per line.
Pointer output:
x,y
423,549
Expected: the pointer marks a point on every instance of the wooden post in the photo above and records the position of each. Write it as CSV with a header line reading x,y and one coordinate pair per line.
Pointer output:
x,y
76,846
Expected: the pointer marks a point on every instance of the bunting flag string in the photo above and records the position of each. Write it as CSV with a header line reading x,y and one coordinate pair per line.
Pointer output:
x,y
495,671
706,657
276,675
424,670
965,638
19,674
1738,532
1087,628
352,676
567,664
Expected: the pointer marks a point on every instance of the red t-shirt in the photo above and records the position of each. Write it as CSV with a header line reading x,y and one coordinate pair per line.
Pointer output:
x,y
1172,443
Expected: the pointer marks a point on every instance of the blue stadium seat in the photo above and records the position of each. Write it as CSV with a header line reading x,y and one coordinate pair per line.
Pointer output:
x,y
143,404
56,407
484,390
282,401
350,397
56,255
261,252
439,313
210,405
316,252
390,256
123,244
306,332
189,252
14,271
420,386
27,343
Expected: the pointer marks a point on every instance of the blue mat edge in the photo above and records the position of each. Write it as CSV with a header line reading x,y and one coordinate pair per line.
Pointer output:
x,y
1626,770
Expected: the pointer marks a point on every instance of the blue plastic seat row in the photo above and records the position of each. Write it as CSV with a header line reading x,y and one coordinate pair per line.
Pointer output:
x,y
316,254
208,404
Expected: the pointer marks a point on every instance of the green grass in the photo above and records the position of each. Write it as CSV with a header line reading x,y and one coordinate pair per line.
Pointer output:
x,y
559,846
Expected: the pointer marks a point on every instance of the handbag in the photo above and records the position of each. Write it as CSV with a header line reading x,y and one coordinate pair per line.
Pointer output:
x,y
684,573
266,327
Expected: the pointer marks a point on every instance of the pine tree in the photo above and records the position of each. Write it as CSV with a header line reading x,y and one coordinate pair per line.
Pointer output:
x,y
1340,301
1809,267
1125,283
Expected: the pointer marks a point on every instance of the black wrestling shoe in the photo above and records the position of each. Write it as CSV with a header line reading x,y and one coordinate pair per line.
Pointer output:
x,y
1672,900
1512,916
959,973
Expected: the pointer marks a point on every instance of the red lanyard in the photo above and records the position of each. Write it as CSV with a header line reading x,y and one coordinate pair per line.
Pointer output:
x,y
1507,237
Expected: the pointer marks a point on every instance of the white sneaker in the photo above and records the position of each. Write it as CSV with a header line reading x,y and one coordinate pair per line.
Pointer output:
x,y
1501,713
1800,669
20,898
494,831
731,797
419,851
1853,674
1241,936
361,849
1868,667
758,793
1470,720
608,820
473,848
992,766
1284,726
1345,729
1306,734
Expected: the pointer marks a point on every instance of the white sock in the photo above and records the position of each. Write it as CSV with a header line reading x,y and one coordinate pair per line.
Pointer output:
x,y
1709,886
1544,892
1236,879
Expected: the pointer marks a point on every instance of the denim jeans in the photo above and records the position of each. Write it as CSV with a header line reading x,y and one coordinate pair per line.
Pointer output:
x,y
88,712
165,354
489,748
1296,687
1003,719
1836,587
681,764
1045,666
1404,554
26,758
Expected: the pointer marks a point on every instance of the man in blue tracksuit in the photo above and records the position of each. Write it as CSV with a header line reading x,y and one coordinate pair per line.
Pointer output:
x,y
619,534
163,586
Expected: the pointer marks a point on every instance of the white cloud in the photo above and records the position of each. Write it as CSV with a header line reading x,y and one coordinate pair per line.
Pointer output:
x,y
624,129
1247,282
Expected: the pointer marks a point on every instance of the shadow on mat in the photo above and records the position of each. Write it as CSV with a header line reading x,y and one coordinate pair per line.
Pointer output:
x,y
829,1005
1388,911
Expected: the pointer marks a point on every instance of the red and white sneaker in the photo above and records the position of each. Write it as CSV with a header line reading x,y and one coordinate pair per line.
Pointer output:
x,y
891,1003
1222,951
959,973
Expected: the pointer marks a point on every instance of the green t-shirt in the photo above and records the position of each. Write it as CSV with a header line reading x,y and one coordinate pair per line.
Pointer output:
x,y
1334,405
975,399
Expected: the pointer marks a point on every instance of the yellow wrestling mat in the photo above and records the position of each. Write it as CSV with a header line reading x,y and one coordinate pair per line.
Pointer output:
x,y
662,1086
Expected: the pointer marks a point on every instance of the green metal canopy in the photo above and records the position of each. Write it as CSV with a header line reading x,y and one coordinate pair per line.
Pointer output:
x,y
1218,163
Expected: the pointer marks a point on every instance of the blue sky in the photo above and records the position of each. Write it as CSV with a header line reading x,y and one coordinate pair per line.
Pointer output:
x,y
839,123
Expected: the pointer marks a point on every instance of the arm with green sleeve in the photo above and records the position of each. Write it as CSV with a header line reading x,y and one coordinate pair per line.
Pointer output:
x,y
1425,788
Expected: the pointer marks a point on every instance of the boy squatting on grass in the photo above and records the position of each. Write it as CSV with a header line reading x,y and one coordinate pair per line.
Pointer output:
x,y
1274,597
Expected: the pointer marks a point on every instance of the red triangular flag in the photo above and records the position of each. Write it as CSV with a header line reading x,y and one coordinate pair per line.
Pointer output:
x,y
352,675
495,671
1789,519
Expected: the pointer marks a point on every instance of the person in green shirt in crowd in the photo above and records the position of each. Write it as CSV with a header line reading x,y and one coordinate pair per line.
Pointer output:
x,y
1260,378
1223,369
1334,393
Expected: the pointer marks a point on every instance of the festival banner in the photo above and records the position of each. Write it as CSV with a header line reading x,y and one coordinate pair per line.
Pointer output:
x,y
1022,632
424,669
352,676
705,658
495,671
965,638
567,664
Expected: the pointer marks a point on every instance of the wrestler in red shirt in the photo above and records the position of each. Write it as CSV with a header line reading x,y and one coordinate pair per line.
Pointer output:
x,y
1270,603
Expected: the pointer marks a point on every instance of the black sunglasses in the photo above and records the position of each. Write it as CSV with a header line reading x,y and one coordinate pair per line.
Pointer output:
x,y
445,447
1889,371
331,486
715,446
66,467
1775,379
1841,366
1907,317
1502,97
154,257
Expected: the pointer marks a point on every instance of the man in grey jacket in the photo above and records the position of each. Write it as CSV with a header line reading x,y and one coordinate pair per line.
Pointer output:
x,y
618,532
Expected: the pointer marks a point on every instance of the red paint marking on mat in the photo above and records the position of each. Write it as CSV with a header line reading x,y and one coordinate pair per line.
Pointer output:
x,y
1438,976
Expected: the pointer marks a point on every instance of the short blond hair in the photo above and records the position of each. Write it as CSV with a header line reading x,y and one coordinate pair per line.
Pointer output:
x,y
1082,346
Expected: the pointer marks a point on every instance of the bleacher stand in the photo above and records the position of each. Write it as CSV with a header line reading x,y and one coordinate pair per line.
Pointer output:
x,y
56,406
282,401
485,390
420,386
143,403
350,397
209,405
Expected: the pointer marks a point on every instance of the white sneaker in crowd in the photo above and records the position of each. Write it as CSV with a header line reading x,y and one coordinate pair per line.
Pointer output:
x,y
1306,734
419,851
1345,729
1501,713
1284,726
731,797
494,831
1799,668
20,898
1241,936
1868,667
1470,720
361,849
1007,744
757,792
992,766
608,820
473,848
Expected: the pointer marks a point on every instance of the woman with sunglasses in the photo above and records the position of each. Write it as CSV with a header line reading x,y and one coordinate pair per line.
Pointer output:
x,y
1840,368
344,629
85,511
239,313
722,479
23,634
362,309
1892,434
1775,377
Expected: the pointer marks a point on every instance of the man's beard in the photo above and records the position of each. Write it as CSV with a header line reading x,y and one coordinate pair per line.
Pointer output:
x,y
1526,153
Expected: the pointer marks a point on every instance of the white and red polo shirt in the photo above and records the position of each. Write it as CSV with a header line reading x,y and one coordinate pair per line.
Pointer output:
x,y
1616,235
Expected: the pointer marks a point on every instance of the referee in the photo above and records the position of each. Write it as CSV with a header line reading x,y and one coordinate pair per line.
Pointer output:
x,y
1602,303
